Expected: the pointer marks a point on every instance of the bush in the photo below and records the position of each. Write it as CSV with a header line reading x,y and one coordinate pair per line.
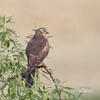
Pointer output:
x,y
13,62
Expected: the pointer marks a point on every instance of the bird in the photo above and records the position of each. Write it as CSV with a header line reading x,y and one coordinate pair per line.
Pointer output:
x,y
36,50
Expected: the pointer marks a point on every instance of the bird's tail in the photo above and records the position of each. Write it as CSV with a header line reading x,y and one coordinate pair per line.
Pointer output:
x,y
28,77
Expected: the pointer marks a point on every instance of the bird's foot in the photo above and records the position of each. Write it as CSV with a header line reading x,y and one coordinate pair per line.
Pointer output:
x,y
41,65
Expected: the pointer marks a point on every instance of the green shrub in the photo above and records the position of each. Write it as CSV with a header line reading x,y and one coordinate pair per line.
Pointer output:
x,y
13,62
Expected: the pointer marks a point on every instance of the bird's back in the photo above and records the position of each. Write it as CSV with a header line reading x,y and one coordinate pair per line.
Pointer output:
x,y
38,46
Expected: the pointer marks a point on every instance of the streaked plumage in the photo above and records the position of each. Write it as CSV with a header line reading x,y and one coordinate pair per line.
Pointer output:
x,y
37,49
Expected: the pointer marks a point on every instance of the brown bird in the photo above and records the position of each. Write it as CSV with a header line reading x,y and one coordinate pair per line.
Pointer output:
x,y
37,49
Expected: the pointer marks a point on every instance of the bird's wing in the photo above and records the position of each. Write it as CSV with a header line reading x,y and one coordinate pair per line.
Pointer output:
x,y
33,61
35,46
33,49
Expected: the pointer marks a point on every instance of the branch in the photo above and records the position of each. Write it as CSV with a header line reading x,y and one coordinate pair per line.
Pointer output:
x,y
8,79
45,67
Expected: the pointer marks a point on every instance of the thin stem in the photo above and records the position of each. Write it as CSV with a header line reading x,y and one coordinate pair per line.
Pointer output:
x,y
53,81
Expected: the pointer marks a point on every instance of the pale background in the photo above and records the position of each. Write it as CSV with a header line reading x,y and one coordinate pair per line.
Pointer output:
x,y
75,26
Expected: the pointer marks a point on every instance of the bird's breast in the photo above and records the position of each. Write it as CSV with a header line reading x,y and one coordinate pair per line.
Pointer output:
x,y
44,51
46,48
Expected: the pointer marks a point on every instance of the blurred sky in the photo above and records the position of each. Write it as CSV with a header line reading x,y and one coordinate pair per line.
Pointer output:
x,y
75,26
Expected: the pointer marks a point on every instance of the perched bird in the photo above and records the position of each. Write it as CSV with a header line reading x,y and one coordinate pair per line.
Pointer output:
x,y
37,49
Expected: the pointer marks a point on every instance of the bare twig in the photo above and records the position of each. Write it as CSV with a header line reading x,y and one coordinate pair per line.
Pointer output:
x,y
45,67
2,81
8,79
12,77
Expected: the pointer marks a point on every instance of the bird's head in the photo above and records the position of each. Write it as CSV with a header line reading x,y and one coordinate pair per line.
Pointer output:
x,y
42,31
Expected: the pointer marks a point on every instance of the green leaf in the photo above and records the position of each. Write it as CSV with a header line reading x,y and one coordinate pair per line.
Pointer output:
x,y
45,76
2,19
49,36
3,86
29,36
1,26
57,81
7,43
34,30
8,19
65,87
